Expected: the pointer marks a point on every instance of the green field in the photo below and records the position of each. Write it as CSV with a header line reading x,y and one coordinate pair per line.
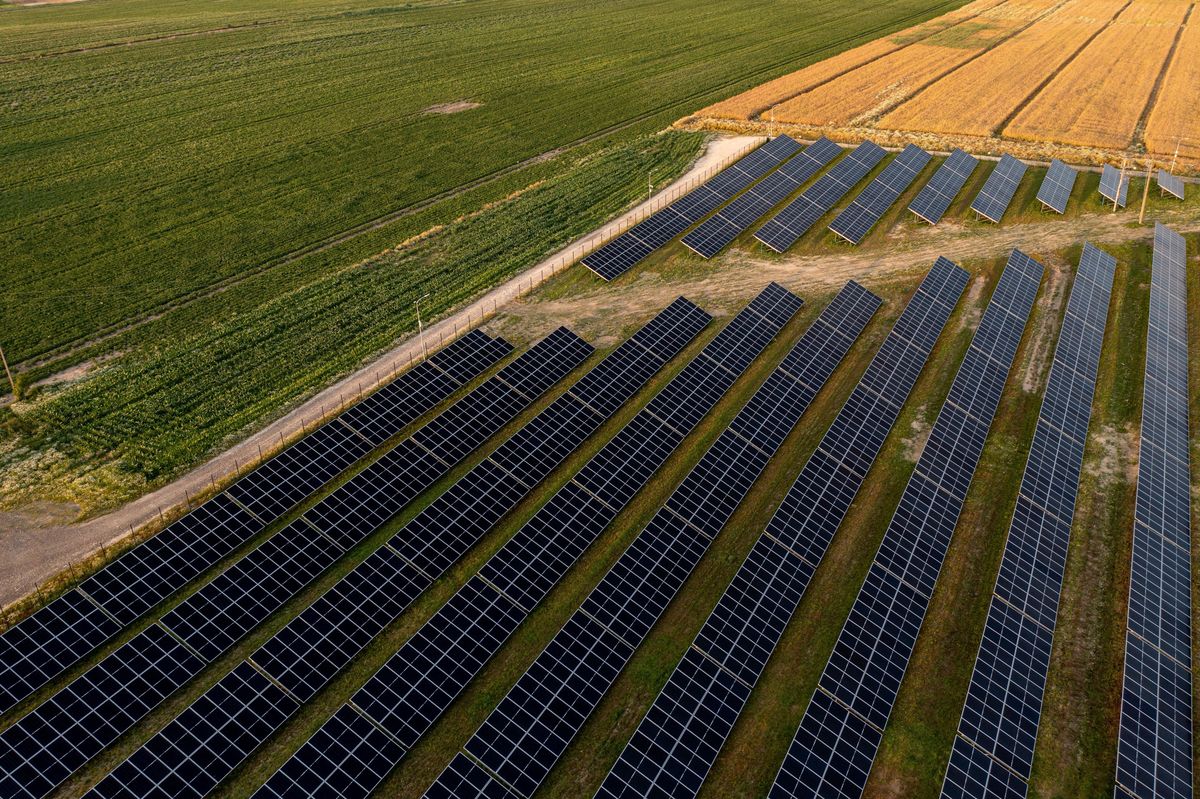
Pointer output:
x,y
187,184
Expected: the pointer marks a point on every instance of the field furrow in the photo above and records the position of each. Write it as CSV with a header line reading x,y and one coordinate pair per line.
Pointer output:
x,y
977,98
1097,100
1174,120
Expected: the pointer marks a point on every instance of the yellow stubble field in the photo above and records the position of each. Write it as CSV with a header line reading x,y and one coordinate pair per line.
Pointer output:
x,y
1174,120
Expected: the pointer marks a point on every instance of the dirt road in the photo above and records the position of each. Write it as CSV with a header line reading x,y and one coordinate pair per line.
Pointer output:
x,y
36,542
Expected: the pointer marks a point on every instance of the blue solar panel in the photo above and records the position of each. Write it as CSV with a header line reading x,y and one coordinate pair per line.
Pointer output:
x,y
1114,185
858,687
1171,184
798,216
524,737
1056,187
625,251
998,190
872,203
1154,745
715,233
934,199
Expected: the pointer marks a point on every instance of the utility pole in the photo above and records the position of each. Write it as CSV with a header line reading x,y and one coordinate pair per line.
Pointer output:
x,y
7,371
649,186
421,327
1120,183
1145,192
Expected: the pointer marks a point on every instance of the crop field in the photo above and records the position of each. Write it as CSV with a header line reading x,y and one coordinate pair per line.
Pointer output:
x,y
1087,80
202,202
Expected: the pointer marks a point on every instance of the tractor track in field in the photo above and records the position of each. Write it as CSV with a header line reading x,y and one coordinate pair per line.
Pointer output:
x,y
69,349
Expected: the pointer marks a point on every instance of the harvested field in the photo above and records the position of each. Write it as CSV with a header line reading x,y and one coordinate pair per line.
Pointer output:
x,y
1090,103
1088,81
1174,120
977,99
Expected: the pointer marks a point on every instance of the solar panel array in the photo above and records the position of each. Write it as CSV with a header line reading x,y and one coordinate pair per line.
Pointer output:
x,y
999,723
432,668
318,643
719,230
529,731
215,617
676,743
1154,745
872,203
1171,184
1114,186
52,640
798,216
997,192
838,737
932,202
1056,187
625,251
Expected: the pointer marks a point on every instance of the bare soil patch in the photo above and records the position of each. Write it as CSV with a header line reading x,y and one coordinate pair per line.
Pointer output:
x,y
453,107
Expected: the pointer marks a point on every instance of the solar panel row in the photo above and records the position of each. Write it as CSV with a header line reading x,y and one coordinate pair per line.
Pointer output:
x,y
997,192
1002,710
625,251
872,203
531,728
798,216
313,647
840,732
221,612
715,233
1171,184
678,740
1056,187
934,199
425,675
1154,744
52,640
1114,185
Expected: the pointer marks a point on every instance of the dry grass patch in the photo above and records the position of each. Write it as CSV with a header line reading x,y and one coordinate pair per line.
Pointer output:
x,y
1092,104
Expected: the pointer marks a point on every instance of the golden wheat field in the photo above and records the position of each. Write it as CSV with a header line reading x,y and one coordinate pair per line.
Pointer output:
x,y
1092,78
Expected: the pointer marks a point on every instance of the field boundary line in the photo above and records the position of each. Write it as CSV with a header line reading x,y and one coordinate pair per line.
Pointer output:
x,y
1139,130
1003,124
163,37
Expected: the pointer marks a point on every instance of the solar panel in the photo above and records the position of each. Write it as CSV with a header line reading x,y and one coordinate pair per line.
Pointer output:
x,y
1114,185
1171,184
419,682
858,687
626,250
1154,744
932,202
77,723
313,647
872,203
676,743
44,645
528,732
798,216
998,190
1056,187
1002,710
715,233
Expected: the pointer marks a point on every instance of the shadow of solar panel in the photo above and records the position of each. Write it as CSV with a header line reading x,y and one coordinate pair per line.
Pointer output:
x,y
997,192
1114,185
871,655
934,199
798,216
626,250
1171,184
1056,187
872,203
639,586
714,234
